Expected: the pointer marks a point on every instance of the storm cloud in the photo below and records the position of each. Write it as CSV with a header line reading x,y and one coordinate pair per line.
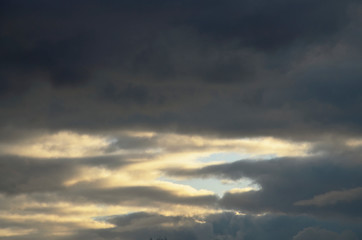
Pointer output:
x,y
236,68
325,186
186,119
222,226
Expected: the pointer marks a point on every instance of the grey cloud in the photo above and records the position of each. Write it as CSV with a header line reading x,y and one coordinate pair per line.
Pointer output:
x,y
32,176
20,175
286,181
145,226
279,68
136,196
219,226
236,68
26,175
321,234
333,197
274,24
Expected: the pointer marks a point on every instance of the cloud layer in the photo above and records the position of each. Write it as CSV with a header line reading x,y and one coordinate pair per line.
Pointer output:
x,y
239,68
113,112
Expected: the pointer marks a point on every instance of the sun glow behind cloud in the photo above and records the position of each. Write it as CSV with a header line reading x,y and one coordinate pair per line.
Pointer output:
x,y
145,155
193,120
58,145
70,144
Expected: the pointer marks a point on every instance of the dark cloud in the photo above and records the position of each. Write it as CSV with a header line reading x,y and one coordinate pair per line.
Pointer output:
x,y
26,175
270,25
20,175
316,233
130,93
221,226
291,185
279,68
235,68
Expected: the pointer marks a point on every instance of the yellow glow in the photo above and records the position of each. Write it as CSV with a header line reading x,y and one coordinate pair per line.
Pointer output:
x,y
88,174
253,146
165,150
242,190
46,218
354,142
187,211
11,232
140,134
70,144
61,144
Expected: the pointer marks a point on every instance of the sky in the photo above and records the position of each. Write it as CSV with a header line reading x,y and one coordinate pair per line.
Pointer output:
x,y
197,120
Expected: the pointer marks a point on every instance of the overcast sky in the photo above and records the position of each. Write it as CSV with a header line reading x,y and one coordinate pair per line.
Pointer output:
x,y
191,120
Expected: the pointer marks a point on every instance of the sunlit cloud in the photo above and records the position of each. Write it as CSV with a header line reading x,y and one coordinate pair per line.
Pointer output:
x,y
12,232
61,144
356,142
70,144
193,120
244,190
254,146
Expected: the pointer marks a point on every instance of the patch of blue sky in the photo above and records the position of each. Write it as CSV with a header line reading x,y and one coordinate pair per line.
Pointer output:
x,y
217,186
